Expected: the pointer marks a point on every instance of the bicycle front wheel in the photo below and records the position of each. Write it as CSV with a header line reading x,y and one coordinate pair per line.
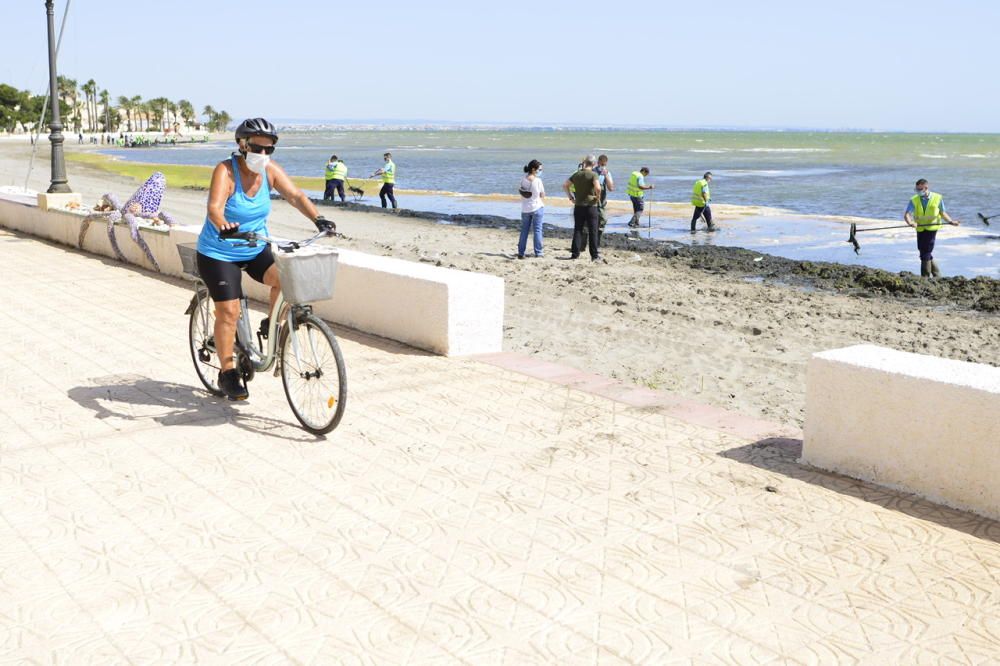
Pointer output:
x,y
313,374
201,332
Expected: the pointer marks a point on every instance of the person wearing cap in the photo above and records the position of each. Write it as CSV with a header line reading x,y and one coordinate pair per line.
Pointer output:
x,y
388,173
336,174
584,189
700,196
636,191
924,213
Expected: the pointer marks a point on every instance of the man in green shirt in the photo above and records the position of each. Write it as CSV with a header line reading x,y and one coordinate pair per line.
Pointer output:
x,y
584,189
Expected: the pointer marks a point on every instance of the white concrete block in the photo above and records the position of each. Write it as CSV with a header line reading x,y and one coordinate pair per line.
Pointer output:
x,y
922,424
57,200
441,310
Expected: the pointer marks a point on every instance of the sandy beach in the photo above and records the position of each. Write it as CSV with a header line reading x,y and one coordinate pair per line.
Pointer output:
x,y
712,325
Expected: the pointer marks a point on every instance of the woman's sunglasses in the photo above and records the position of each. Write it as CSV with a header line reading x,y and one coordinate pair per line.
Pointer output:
x,y
257,148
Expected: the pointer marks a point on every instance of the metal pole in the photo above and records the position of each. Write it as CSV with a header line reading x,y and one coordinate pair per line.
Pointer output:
x,y
59,181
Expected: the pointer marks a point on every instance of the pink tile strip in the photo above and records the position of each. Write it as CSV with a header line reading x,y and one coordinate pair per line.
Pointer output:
x,y
689,411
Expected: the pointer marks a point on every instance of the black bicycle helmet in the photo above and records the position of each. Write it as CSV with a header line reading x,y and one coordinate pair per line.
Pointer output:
x,y
256,127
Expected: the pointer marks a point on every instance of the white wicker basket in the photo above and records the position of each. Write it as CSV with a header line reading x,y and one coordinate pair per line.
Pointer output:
x,y
307,274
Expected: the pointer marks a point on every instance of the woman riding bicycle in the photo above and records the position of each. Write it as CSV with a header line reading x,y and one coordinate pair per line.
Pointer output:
x,y
240,198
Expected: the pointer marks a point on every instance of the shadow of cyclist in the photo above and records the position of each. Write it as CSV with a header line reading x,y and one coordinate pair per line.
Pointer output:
x,y
137,398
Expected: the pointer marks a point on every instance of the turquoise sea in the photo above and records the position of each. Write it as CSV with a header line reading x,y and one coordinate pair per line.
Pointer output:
x,y
808,176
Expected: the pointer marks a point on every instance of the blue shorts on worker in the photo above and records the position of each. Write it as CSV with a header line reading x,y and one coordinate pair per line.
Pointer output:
x,y
638,203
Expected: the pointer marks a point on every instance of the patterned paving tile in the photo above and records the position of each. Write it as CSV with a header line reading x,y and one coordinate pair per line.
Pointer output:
x,y
462,513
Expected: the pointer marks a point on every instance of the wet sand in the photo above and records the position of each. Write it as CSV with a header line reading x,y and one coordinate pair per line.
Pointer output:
x,y
720,325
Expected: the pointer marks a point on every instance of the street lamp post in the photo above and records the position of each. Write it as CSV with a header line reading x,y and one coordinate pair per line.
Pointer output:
x,y
59,183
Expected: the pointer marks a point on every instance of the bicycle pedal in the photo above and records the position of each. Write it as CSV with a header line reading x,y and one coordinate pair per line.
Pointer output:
x,y
265,325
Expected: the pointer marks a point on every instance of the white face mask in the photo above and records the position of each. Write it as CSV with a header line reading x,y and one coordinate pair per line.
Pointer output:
x,y
257,162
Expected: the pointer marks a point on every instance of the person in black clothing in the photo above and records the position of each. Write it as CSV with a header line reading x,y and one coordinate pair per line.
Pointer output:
x,y
586,197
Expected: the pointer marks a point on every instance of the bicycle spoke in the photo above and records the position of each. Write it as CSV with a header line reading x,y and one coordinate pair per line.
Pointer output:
x,y
312,374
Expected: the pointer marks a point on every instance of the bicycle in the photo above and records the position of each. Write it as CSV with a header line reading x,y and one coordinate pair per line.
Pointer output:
x,y
299,345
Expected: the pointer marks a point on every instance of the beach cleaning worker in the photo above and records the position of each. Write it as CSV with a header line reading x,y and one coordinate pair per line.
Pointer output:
x,y
240,198
637,192
584,189
700,196
925,212
336,174
607,182
388,173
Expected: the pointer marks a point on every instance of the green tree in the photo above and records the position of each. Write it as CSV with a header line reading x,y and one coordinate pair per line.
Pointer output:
x,y
106,103
67,96
172,108
90,94
125,104
12,102
136,102
209,114
186,110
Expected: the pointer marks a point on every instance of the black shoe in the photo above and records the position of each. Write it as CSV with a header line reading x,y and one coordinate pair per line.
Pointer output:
x,y
231,384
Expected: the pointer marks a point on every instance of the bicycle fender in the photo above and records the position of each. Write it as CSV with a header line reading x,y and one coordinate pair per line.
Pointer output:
x,y
192,305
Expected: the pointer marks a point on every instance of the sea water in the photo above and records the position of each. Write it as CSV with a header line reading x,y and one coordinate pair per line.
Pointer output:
x,y
811,178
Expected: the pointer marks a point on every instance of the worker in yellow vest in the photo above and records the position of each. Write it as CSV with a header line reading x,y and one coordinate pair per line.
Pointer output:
x,y
700,196
636,190
336,174
924,213
388,173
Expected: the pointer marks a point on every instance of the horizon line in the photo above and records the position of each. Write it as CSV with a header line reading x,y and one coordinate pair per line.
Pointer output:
x,y
397,123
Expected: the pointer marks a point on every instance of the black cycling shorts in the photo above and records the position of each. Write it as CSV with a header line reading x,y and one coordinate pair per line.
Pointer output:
x,y
224,278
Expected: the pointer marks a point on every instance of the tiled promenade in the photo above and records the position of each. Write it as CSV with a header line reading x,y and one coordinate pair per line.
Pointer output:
x,y
462,513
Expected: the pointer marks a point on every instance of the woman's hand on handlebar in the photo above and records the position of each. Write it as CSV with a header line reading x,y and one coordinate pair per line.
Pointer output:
x,y
228,230
325,225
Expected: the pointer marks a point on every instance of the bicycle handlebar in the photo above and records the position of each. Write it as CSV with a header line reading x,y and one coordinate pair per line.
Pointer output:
x,y
252,238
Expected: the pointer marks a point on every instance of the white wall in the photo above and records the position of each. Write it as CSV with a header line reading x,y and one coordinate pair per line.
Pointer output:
x,y
441,310
923,424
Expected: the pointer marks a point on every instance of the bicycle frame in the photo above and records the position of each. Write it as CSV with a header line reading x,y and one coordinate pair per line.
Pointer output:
x,y
282,314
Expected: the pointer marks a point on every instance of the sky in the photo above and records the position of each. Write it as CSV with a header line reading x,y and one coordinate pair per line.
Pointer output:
x,y
883,64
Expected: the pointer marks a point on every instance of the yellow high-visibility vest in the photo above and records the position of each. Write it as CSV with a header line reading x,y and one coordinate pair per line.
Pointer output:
x,y
389,173
633,189
701,195
928,219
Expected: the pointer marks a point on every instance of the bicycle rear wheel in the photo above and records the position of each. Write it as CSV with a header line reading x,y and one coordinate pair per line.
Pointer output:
x,y
313,374
201,329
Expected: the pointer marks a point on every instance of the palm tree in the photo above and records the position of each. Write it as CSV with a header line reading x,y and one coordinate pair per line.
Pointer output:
x,y
187,111
67,91
136,102
222,120
125,104
105,102
209,113
90,95
172,107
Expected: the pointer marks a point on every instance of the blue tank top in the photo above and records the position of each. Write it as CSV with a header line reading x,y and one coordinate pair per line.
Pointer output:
x,y
250,213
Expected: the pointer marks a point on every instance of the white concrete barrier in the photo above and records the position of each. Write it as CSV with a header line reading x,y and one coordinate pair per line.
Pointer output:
x,y
922,424
441,310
